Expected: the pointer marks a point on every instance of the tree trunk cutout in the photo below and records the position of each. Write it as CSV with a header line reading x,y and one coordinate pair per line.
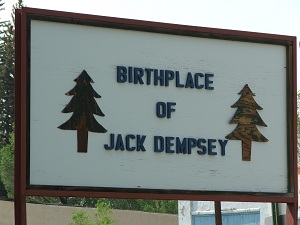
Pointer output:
x,y
84,106
247,118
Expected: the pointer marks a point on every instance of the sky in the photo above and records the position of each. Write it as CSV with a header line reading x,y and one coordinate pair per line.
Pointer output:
x,y
264,16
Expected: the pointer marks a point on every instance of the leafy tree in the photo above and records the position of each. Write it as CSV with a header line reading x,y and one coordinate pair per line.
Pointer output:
x,y
6,84
7,64
102,216
7,166
81,217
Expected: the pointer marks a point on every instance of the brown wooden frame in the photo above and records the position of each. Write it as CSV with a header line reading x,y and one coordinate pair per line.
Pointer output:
x,y
22,150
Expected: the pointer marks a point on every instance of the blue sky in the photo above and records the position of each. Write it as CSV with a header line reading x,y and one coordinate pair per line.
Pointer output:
x,y
266,16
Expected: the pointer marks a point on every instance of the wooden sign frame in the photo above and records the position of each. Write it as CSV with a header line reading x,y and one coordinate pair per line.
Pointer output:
x,y
22,186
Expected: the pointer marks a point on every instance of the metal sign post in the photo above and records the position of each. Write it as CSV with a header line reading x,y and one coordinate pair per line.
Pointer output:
x,y
19,184
218,213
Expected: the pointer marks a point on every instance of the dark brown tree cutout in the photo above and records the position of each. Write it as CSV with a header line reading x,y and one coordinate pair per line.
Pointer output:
x,y
247,118
84,106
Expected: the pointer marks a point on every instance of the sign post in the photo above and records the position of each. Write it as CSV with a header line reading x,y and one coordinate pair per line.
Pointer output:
x,y
218,213
121,108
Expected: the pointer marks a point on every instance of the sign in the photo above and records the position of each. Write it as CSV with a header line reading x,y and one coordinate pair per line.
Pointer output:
x,y
129,106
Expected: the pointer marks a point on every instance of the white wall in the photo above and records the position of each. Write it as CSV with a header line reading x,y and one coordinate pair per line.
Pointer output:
x,y
188,208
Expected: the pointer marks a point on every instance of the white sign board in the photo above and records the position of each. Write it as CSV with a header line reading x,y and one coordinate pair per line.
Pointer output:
x,y
163,119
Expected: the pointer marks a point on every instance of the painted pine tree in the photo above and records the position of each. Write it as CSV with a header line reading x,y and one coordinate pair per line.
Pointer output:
x,y
247,118
84,106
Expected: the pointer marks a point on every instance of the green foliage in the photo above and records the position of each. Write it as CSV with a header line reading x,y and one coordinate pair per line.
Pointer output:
x,y
102,216
7,167
81,217
6,81
42,200
157,206
7,64
18,5
7,73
